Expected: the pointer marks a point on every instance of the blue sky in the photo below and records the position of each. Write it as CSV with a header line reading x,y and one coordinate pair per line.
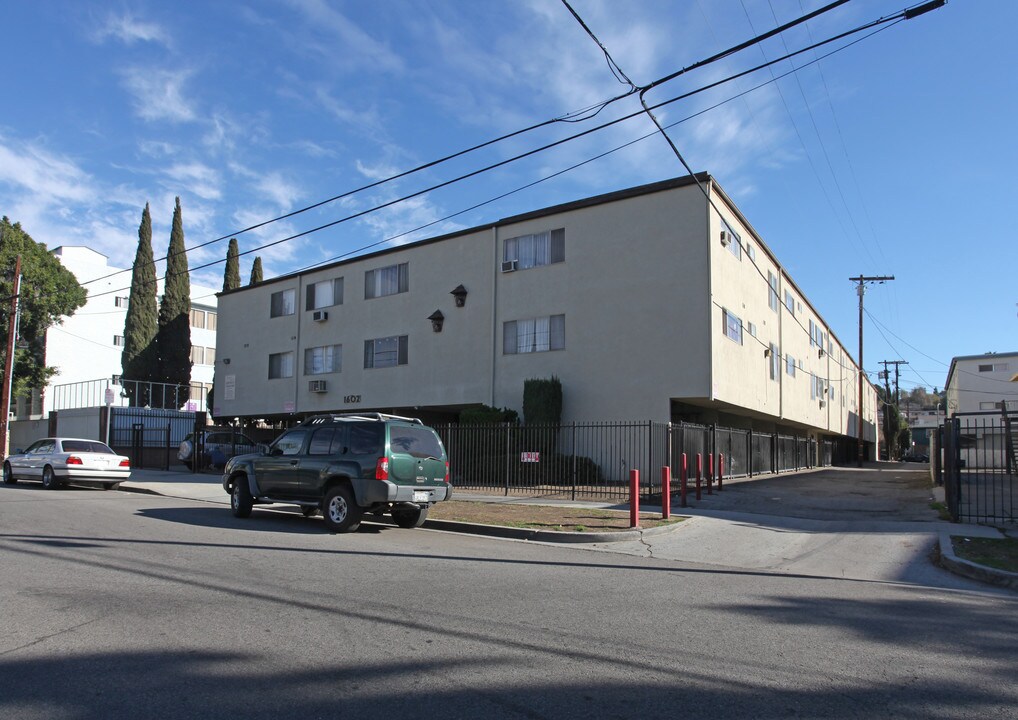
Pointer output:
x,y
892,157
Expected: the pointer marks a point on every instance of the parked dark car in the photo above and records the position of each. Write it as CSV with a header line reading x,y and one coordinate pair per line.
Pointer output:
x,y
346,465
914,456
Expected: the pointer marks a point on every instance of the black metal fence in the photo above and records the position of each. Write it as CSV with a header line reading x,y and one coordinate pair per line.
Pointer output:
x,y
149,436
594,459
977,467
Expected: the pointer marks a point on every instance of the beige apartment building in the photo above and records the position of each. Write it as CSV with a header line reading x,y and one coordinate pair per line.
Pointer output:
x,y
648,304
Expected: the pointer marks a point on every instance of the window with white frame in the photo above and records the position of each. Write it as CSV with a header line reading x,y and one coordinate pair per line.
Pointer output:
x,y
389,280
750,250
772,291
198,319
283,302
734,241
732,325
775,359
790,365
120,301
118,340
540,334
751,328
385,352
324,294
280,365
197,355
323,360
790,302
211,320
210,356
993,367
543,248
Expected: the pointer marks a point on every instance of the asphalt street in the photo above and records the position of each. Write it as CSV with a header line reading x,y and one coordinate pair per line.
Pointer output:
x,y
120,605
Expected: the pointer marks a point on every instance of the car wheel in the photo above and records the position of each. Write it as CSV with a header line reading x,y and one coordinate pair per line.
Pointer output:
x,y
309,511
340,510
241,501
409,517
111,486
8,474
49,480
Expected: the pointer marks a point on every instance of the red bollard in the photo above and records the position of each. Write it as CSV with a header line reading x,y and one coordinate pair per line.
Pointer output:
x,y
666,492
634,498
721,470
683,481
699,473
710,474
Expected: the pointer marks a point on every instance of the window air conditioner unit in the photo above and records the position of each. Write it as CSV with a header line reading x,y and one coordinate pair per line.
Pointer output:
x,y
726,237
508,265
320,315
317,386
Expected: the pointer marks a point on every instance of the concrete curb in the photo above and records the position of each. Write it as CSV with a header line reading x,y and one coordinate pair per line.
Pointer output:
x,y
550,536
992,576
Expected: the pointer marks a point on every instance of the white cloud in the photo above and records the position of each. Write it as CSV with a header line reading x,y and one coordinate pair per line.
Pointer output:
x,y
276,188
43,174
197,178
159,94
130,30
344,44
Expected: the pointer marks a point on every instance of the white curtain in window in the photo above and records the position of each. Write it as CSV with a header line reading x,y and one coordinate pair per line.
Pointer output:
x,y
323,294
525,338
542,334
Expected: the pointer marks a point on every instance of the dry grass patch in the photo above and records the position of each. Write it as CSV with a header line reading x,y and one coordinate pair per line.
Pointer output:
x,y
543,517
1000,553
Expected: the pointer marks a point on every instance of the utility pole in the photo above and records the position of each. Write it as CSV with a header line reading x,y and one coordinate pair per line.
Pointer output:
x,y
860,291
897,398
12,330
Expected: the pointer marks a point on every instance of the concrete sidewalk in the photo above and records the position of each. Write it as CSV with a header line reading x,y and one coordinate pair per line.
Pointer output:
x,y
818,532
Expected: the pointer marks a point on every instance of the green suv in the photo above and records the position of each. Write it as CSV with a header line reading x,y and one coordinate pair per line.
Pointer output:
x,y
345,465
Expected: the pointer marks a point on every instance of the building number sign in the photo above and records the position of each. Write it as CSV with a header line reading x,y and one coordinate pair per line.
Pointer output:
x,y
351,398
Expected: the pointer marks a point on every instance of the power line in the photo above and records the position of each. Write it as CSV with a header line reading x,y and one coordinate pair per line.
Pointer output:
x,y
578,115
548,146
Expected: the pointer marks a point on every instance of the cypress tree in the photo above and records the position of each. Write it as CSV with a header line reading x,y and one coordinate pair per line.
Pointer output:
x,y
174,340
140,360
231,279
256,271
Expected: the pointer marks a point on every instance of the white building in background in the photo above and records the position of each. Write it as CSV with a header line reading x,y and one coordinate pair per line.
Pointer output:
x,y
86,347
646,303
980,383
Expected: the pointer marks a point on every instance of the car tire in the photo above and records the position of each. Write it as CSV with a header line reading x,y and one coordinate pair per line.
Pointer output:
x,y
111,486
241,501
49,480
340,511
9,478
309,511
409,517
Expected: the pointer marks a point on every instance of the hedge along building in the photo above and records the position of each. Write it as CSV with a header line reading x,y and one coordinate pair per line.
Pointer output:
x,y
646,303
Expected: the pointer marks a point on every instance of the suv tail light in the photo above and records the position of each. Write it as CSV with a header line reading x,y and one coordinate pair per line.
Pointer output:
x,y
382,469
125,463
73,460
447,471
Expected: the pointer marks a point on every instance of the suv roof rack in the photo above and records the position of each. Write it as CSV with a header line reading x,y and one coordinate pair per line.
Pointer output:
x,y
360,416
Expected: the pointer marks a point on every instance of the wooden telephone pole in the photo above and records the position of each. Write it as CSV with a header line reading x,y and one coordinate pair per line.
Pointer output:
x,y
861,290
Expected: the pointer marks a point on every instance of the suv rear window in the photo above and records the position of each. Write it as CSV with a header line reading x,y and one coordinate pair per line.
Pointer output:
x,y
419,442
366,439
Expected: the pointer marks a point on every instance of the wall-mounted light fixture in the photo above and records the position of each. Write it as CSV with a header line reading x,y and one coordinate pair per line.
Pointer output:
x,y
226,361
436,318
460,293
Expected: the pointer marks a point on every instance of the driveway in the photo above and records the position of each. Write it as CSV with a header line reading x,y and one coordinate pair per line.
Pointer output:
x,y
871,524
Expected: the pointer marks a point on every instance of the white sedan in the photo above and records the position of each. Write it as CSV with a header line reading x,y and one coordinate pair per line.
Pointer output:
x,y
56,461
